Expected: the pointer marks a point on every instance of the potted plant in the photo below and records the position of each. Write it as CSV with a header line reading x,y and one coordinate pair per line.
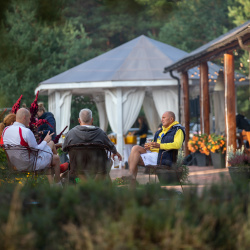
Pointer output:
x,y
198,146
239,168
217,146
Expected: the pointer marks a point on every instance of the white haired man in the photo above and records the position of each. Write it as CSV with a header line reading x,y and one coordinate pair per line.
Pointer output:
x,y
85,132
20,134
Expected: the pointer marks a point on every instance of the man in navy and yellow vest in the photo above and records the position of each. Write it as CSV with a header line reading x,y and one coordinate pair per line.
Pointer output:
x,y
170,136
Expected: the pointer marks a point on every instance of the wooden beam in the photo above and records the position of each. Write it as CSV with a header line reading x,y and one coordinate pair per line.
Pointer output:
x,y
208,55
204,99
230,115
185,88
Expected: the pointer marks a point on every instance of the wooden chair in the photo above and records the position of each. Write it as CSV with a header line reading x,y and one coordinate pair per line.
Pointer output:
x,y
16,155
164,169
89,161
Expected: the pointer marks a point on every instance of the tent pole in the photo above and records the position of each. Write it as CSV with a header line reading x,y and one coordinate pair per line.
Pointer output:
x,y
119,116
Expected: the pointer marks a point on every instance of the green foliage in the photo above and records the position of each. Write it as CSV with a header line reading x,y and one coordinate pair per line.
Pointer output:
x,y
3,157
239,12
81,102
195,23
33,51
59,151
92,216
243,107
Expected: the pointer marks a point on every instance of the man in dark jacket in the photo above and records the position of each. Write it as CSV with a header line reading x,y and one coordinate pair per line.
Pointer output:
x,y
169,137
87,133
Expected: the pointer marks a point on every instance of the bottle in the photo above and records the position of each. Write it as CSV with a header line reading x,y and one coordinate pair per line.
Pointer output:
x,y
116,162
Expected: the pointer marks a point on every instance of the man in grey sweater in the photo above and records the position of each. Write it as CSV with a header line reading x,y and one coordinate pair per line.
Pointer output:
x,y
87,133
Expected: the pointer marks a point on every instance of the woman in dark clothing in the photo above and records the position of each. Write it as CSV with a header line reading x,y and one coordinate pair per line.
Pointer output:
x,y
143,130
45,128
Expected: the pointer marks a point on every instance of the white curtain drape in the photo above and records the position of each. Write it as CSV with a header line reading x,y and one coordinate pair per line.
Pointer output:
x,y
219,111
166,100
151,113
132,100
52,103
100,104
65,110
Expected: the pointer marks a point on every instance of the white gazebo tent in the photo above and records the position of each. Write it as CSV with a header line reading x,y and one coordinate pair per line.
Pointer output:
x,y
121,81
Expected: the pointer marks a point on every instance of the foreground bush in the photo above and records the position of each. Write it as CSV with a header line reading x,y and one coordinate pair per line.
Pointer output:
x,y
95,216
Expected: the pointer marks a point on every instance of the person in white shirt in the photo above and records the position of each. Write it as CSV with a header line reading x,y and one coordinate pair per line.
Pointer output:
x,y
20,134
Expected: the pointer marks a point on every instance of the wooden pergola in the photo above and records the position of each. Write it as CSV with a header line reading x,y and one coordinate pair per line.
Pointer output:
x,y
221,46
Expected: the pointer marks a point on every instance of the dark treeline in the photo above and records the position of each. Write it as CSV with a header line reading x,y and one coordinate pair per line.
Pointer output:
x,y
42,38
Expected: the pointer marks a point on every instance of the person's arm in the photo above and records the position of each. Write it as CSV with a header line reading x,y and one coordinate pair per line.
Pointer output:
x,y
31,140
176,144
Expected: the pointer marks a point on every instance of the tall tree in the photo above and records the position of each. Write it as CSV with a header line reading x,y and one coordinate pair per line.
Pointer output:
x,y
196,22
34,50
111,23
240,13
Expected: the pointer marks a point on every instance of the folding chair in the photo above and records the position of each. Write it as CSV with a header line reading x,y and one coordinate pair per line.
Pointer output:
x,y
18,162
89,161
164,169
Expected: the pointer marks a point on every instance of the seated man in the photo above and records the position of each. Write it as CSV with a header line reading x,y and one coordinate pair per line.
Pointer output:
x,y
170,136
87,133
20,134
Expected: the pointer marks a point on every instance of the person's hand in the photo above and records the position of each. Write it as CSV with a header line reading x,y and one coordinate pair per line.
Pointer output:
x,y
155,145
48,137
119,156
147,145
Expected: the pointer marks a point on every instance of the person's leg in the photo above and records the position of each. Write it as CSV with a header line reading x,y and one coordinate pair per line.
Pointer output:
x,y
135,159
56,166
51,144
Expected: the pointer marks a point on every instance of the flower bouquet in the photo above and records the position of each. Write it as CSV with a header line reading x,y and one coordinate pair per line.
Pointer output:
x,y
198,146
216,143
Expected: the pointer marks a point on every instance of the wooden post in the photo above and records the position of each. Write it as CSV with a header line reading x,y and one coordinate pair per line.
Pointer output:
x,y
230,116
184,82
204,99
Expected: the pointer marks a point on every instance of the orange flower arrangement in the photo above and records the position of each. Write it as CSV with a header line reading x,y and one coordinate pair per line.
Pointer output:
x,y
199,143
216,143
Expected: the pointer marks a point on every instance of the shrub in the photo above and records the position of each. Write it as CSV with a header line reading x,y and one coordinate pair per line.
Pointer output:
x,y
95,216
